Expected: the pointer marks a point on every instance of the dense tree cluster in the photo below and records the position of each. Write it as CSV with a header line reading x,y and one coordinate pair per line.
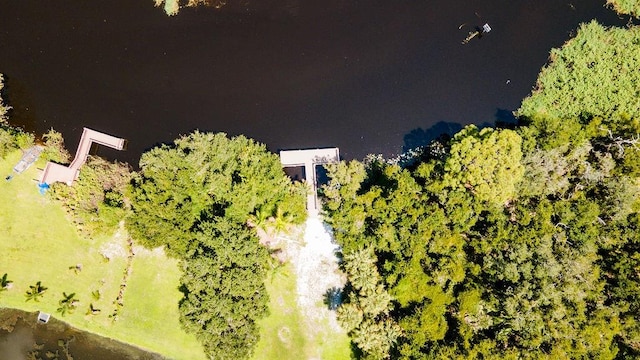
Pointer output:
x,y
497,243
550,271
195,197
594,74
630,7
97,200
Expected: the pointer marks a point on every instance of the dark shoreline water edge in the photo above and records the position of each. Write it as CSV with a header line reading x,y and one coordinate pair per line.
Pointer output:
x,y
21,338
374,77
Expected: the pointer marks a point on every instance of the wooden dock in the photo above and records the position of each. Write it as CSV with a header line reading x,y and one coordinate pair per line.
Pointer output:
x,y
309,158
68,174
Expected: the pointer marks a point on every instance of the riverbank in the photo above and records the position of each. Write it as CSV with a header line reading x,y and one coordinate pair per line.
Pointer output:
x,y
21,337
39,243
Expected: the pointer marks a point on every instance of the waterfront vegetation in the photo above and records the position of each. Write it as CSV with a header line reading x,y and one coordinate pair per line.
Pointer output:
x,y
506,243
196,198
630,7
593,74
41,244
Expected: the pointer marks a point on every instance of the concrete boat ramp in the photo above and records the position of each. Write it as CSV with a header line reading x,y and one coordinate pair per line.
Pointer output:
x,y
309,158
28,158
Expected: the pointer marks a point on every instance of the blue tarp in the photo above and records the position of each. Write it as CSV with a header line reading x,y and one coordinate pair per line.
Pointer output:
x,y
43,187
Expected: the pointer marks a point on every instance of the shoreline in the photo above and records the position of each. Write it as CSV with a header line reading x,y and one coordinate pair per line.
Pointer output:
x,y
58,336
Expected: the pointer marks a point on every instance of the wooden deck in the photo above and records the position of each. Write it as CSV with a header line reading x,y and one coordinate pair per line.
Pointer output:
x,y
68,174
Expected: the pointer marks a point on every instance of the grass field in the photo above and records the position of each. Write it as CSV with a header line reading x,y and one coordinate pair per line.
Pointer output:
x,y
38,243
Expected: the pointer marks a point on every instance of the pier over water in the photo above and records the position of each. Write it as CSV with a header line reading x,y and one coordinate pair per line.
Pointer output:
x,y
68,174
309,158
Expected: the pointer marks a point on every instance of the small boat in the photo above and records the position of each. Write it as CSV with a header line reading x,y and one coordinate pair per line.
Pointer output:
x,y
477,33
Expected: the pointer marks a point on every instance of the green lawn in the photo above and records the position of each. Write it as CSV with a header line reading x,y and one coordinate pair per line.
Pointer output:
x,y
284,334
38,243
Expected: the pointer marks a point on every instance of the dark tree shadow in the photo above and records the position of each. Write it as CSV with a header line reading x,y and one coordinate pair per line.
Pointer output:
x,y
333,298
505,119
420,137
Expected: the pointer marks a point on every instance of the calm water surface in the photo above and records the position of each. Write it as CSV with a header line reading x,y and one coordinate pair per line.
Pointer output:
x,y
21,338
367,76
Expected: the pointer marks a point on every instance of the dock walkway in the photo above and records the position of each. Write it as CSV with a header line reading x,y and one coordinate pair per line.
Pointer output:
x,y
68,174
309,158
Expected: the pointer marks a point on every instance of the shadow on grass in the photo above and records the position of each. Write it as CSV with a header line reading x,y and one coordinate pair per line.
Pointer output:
x,y
333,298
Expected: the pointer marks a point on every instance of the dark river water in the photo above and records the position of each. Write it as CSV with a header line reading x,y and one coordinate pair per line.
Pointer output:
x,y
371,76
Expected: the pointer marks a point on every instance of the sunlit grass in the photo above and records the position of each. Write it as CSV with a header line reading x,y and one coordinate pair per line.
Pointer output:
x,y
284,333
281,332
38,243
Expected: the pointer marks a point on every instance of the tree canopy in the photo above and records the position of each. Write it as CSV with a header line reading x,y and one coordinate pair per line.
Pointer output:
x,y
510,244
196,197
204,175
528,278
11,137
630,7
593,74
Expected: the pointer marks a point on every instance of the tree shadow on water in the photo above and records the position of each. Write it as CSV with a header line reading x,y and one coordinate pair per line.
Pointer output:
x,y
505,119
420,137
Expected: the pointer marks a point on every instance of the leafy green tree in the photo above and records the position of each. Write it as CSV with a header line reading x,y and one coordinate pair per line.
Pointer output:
x,y
11,137
593,74
630,7
54,147
485,162
68,304
5,283
204,175
92,310
366,314
223,287
97,200
35,292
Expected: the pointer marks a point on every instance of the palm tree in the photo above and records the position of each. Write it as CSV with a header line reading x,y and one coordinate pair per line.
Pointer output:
x,y
35,292
259,220
93,310
5,283
68,304
281,221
